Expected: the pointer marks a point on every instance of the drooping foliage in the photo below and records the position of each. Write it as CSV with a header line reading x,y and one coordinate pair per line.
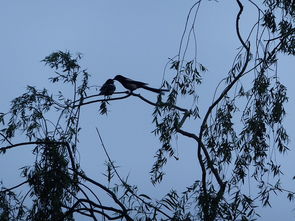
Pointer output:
x,y
234,138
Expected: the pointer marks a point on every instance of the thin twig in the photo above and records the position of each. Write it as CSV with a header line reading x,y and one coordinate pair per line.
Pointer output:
x,y
114,197
124,183
14,187
100,100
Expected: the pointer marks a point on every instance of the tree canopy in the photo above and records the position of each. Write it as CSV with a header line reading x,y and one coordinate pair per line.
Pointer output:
x,y
234,136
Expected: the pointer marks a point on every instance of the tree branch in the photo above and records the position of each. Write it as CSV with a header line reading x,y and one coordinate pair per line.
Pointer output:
x,y
14,187
3,149
125,185
79,210
160,104
114,197
201,146
6,138
100,100
223,94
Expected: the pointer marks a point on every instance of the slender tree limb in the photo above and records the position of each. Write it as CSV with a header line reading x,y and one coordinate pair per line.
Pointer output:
x,y
202,164
26,143
6,138
96,197
91,206
79,210
159,104
183,119
125,185
184,32
291,31
238,25
222,95
98,95
91,209
128,95
82,203
188,134
2,149
51,100
14,187
201,146
108,208
100,100
114,197
71,155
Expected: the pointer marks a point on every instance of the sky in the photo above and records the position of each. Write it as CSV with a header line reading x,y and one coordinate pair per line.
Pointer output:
x,y
136,39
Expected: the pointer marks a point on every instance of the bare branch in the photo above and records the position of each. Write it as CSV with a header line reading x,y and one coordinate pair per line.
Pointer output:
x,y
100,100
114,197
124,183
6,138
159,104
14,187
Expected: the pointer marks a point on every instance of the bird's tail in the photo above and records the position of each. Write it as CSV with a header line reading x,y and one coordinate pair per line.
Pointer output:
x,y
159,91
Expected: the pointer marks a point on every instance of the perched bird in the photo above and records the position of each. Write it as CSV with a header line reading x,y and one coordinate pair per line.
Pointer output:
x,y
133,85
108,88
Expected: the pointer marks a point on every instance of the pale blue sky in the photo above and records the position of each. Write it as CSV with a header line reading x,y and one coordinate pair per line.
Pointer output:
x,y
133,38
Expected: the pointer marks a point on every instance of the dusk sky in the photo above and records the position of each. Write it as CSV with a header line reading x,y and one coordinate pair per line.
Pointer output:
x,y
136,39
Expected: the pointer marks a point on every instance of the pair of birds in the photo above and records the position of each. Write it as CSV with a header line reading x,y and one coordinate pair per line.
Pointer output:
x,y
108,88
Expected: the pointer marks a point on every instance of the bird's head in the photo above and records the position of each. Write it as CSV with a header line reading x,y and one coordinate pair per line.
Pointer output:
x,y
109,81
119,77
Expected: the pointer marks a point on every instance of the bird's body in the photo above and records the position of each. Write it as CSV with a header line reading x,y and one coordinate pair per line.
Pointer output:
x,y
133,85
108,88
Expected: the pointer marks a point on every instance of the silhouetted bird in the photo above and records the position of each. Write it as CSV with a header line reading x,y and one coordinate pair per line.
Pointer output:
x,y
133,85
108,88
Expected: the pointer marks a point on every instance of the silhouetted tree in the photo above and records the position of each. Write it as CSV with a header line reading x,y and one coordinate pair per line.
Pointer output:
x,y
239,129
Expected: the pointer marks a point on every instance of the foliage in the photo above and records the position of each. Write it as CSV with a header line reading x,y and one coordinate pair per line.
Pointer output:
x,y
236,133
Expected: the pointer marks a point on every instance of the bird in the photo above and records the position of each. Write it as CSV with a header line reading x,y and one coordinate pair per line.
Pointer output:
x,y
132,85
108,88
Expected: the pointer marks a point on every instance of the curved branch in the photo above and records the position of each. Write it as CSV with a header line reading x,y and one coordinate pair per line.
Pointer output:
x,y
222,95
95,196
201,146
188,134
238,26
114,197
79,210
125,185
22,144
92,204
185,29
